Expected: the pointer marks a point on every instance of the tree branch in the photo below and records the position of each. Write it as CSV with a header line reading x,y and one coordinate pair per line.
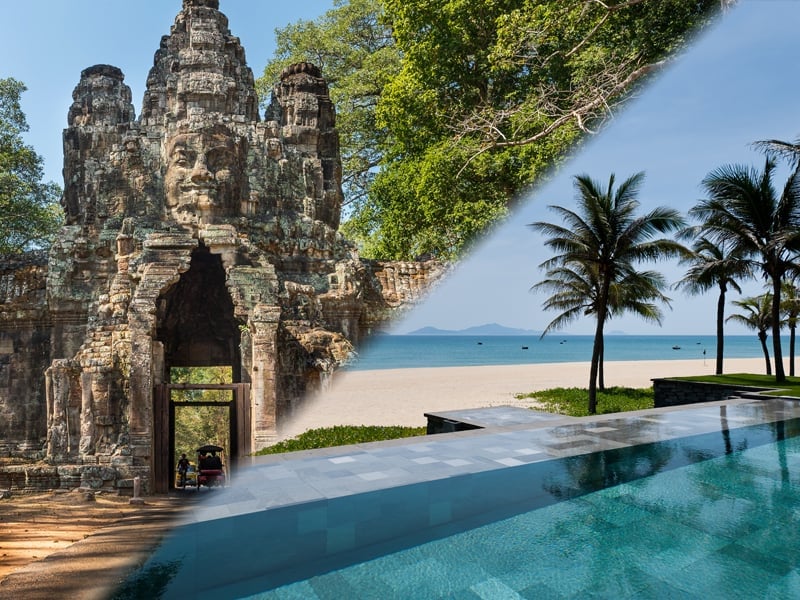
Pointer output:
x,y
488,123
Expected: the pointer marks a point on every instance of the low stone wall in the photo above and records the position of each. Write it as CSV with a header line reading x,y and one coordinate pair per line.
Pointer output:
x,y
43,478
674,392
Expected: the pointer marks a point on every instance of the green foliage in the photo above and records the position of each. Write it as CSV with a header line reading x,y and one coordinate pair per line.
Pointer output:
x,y
450,110
423,206
573,401
197,425
201,375
29,210
757,314
491,95
341,435
712,265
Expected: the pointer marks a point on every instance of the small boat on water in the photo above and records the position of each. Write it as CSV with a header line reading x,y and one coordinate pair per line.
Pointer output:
x,y
676,347
524,347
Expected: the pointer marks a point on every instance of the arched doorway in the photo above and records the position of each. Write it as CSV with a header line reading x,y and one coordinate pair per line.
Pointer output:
x,y
197,329
195,320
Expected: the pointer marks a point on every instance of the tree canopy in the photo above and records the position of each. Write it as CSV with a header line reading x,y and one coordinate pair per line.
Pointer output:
x,y
744,211
756,314
200,424
29,210
463,106
712,265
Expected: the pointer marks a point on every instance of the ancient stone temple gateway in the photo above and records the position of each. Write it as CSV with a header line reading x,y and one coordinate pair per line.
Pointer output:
x,y
197,234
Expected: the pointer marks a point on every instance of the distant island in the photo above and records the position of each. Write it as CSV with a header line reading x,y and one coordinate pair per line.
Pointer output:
x,y
490,329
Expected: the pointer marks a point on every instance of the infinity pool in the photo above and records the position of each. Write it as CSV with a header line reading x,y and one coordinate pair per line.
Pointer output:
x,y
726,527
697,502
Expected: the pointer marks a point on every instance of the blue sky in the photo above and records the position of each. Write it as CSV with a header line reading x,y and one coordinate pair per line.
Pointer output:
x,y
737,84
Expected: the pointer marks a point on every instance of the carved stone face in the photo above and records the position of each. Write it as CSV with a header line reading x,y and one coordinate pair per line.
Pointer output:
x,y
204,175
274,149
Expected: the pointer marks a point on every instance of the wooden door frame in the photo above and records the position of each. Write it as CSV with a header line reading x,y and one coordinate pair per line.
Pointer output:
x,y
164,426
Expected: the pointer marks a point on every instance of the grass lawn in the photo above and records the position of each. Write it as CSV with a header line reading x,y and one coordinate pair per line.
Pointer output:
x,y
791,387
574,402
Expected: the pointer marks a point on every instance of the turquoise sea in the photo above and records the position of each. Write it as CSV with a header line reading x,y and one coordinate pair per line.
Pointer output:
x,y
413,351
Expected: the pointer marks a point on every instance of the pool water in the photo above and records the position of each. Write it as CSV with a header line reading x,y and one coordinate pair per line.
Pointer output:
x,y
724,527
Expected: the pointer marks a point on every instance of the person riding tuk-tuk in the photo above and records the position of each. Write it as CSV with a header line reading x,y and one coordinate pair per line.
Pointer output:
x,y
211,469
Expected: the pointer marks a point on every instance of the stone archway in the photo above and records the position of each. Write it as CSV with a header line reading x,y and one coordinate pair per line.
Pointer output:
x,y
195,320
196,327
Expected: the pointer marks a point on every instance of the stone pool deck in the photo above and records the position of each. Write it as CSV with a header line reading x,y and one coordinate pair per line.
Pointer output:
x,y
287,515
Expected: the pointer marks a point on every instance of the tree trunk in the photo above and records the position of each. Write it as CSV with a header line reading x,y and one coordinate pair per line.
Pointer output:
x,y
780,375
792,331
720,327
597,347
762,336
601,378
597,354
596,350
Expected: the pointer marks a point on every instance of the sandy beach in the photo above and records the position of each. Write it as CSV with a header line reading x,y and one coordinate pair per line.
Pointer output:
x,y
403,396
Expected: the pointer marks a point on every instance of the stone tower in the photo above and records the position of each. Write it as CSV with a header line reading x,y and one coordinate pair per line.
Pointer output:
x,y
196,235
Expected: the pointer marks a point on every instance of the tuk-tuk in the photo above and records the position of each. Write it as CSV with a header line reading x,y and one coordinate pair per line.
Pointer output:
x,y
210,466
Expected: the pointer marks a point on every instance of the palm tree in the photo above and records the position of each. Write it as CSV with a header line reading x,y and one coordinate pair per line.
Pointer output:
x,y
790,305
601,243
790,151
711,266
576,291
757,315
745,213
